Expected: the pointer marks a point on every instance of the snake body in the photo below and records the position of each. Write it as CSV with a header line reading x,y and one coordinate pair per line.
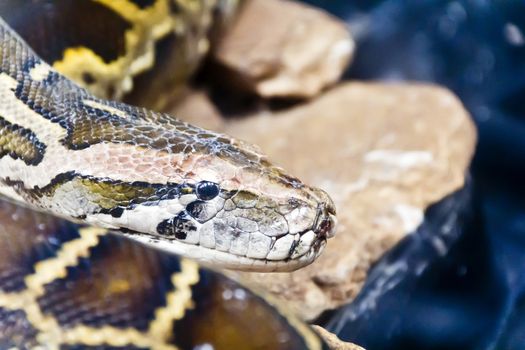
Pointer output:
x,y
110,47
163,182
68,287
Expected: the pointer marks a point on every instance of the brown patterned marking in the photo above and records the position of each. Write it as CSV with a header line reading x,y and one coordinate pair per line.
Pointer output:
x,y
69,255
48,328
109,290
27,237
61,24
20,143
233,315
46,271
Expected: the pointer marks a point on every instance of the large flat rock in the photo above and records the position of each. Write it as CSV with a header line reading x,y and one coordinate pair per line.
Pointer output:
x,y
384,153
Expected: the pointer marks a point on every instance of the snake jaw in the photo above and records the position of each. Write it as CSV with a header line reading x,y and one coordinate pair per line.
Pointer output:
x,y
239,229
215,259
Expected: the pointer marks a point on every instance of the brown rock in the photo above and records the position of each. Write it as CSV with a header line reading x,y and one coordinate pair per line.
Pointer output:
x,y
333,342
384,153
195,107
284,49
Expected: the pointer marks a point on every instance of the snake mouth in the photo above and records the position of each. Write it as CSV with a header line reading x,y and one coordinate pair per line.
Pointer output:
x,y
297,258
237,243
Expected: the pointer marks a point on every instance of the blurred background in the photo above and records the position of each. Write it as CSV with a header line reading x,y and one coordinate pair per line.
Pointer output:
x,y
473,298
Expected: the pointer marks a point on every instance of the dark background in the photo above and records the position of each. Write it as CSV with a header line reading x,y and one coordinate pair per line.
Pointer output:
x,y
474,296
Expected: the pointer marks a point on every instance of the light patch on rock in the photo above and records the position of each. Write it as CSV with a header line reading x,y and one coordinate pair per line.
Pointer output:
x,y
402,159
411,216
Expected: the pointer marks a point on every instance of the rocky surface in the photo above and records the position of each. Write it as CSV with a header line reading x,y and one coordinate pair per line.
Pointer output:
x,y
281,48
194,106
333,342
394,303
384,153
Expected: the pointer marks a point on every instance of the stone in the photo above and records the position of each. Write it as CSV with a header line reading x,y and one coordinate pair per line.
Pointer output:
x,y
413,283
281,48
384,153
195,107
333,342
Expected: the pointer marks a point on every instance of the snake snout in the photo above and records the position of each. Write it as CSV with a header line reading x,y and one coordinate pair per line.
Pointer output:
x,y
326,221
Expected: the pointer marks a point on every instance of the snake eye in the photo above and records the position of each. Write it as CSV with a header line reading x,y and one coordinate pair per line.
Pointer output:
x,y
207,190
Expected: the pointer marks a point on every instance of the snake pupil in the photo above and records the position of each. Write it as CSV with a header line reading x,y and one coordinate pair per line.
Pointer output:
x,y
207,190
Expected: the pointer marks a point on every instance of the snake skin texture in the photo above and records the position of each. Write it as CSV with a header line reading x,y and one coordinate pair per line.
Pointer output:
x,y
67,287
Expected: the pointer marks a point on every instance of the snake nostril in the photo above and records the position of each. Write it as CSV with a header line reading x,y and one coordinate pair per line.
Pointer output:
x,y
327,226
326,222
330,208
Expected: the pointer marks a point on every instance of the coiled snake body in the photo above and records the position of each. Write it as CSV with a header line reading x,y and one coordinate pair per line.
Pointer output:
x,y
160,181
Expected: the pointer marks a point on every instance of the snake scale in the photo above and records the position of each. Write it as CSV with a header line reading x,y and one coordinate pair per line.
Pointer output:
x,y
147,177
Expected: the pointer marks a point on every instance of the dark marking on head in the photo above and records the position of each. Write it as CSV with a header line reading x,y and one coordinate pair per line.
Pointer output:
x,y
178,226
324,227
20,143
290,180
207,190
293,246
199,211
116,212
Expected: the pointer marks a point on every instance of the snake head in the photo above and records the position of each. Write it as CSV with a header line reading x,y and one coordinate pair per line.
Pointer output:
x,y
227,206
246,213
275,223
